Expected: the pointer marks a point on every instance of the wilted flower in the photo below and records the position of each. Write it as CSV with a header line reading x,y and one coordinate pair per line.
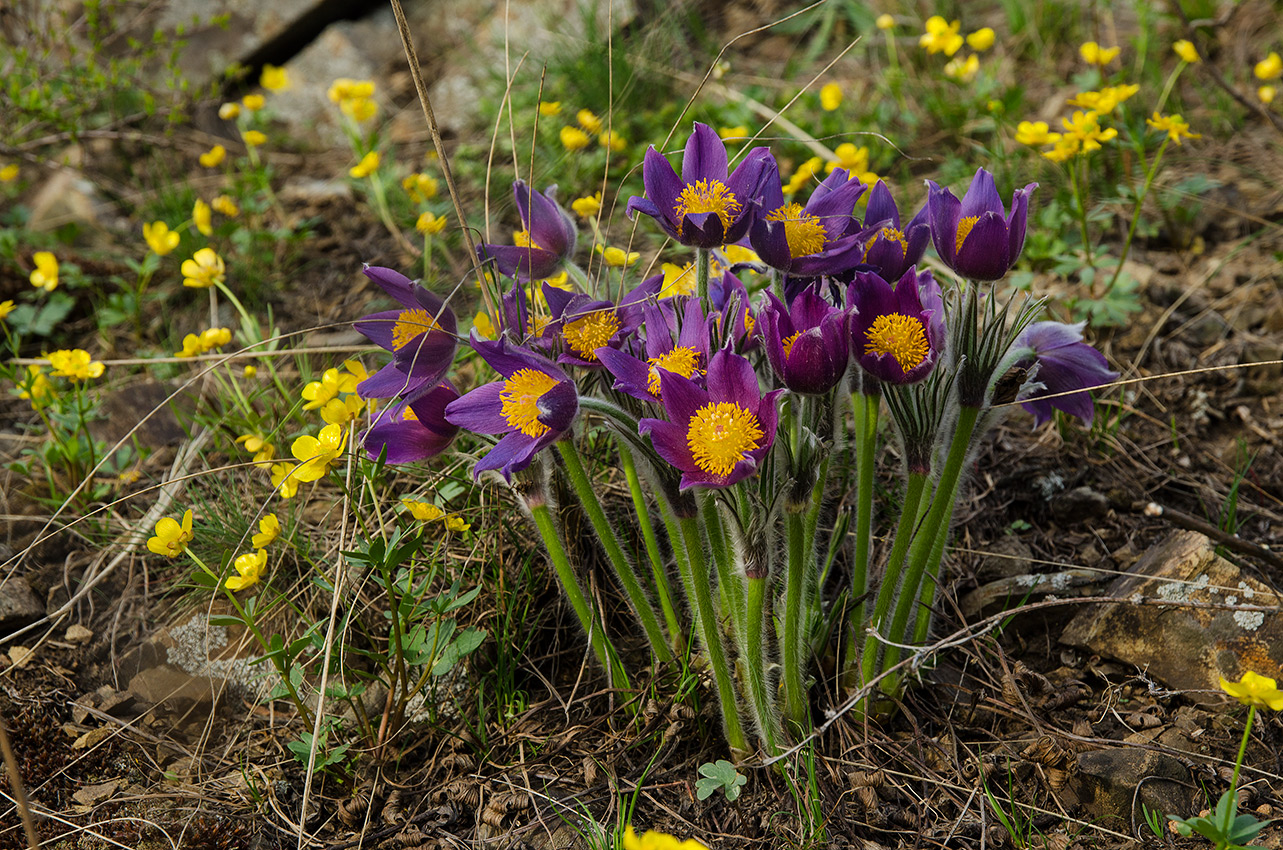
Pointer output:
x,y
941,36
249,568
75,364
269,528
1186,51
830,97
317,454
160,239
203,270
574,139
1174,125
1064,364
171,537
704,208
414,431
533,406
213,157
715,436
367,166
806,241
807,342
274,78
897,333
1255,689
45,274
420,335
975,237
548,236
1093,54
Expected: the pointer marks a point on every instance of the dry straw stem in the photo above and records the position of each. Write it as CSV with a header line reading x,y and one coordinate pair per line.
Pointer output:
x,y
19,793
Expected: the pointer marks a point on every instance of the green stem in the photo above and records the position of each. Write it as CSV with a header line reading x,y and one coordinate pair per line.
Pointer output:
x,y
794,659
1140,200
710,635
578,275
1242,750
867,407
758,662
1080,200
663,588
601,646
701,276
246,322
623,565
728,580
935,525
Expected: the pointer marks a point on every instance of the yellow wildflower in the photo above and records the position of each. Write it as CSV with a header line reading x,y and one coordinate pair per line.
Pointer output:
x,y
1065,147
226,206
229,111
213,157
483,326
430,223
1093,54
6,307
588,206
550,108
1104,101
74,363
202,217
1266,94
678,280
456,524
253,102
804,172
854,159
203,270
420,187
588,120
613,141
160,239
941,36
345,88
367,166
332,382
258,444
658,841
172,537
830,97
250,371
1035,133
739,254
1174,125
1255,689
981,40
422,511
962,70
361,109
884,22
573,139
617,257
253,138
739,131
274,78
1269,68
1186,51
318,454
340,411
45,274
284,480
36,388
1085,130
269,528
9,172
250,567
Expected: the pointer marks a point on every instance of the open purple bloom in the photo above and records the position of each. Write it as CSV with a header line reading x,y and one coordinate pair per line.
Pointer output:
x,y
547,237
897,333
817,239
719,435
1063,363
533,406
807,344
704,208
413,431
585,324
420,335
975,236
889,250
679,347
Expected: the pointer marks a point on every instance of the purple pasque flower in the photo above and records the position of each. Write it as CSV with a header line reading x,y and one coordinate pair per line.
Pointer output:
x,y
585,325
716,435
897,333
704,208
732,316
421,335
411,431
679,347
808,241
889,250
1059,362
547,237
533,406
975,236
807,343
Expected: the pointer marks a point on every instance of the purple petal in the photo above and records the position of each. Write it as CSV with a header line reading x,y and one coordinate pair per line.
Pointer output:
x,y
982,196
396,285
704,157
983,255
479,410
943,213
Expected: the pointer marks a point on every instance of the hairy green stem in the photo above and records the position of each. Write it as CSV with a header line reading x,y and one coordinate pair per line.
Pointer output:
x,y
663,589
758,662
793,657
701,276
867,407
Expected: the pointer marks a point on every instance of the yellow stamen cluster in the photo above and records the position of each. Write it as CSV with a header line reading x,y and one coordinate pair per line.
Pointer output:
x,y
519,400
903,337
588,333
409,324
722,434
888,234
707,196
682,360
964,230
804,233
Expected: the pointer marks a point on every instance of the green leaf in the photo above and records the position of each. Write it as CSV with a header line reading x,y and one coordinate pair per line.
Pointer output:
x,y
466,642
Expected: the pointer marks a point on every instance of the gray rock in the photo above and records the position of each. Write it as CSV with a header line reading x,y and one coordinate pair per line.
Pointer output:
x,y
174,691
1113,785
1078,505
19,605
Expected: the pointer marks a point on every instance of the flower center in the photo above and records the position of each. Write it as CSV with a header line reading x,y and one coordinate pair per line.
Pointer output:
x,y
787,342
409,324
521,239
891,234
519,400
804,233
408,415
682,361
706,196
591,332
901,336
721,435
964,228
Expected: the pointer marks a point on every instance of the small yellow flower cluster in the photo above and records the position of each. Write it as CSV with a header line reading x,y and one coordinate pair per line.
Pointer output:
x,y
259,445
428,512
74,363
1093,54
1267,70
573,139
1105,100
355,98
589,120
1082,131
45,274
1083,134
213,157
335,393
204,342
420,187
367,166
1174,126
159,238
943,36
36,388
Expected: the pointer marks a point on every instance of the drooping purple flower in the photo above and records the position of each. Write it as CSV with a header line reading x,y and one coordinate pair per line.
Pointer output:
x,y
975,236
547,237
585,324
420,335
808,241
807,343
679,347
533,406
719,435
897,333
704,208
889,250
413,431
1064,363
